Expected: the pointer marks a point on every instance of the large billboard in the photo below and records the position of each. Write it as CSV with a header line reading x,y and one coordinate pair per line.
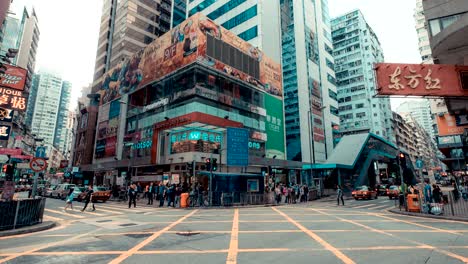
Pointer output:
x,y
274,127
14,77
185,44
420,80
13,99
447,126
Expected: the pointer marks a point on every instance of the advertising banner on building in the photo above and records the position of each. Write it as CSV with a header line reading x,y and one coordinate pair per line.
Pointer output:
x,y
5,132
6,115
420,79
274,127
9,151
185,44
237,145
447,126
13,99
14,77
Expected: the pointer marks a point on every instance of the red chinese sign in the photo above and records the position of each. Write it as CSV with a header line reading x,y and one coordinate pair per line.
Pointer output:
x,y
447,126
14,77
419,79
13,99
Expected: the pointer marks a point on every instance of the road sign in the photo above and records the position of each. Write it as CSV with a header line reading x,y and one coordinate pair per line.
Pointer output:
x,y
38,164
3,158
419,164
40,152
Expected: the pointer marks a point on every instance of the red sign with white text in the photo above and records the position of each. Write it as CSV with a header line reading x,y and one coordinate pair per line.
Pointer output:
x,y
447,126
420,80
14,77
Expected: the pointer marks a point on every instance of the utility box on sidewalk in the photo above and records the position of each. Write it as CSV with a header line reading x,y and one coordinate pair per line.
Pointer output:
x,y
413,203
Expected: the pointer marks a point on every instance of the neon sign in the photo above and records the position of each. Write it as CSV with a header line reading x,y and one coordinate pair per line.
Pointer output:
x,y
143,144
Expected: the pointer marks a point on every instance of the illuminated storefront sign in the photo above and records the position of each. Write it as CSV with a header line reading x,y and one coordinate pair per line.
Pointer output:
x,y
196,135
143,144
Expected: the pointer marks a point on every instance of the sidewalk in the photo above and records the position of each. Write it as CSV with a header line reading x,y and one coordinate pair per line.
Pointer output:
x,y
443,217
29,229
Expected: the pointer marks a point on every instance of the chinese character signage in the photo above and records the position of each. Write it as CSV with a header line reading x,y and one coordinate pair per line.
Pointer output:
x,y
447,126
6,115
5,132
14,77
237,144
419,79
13,99
274,127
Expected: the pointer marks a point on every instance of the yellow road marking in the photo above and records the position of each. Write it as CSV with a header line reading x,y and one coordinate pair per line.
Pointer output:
x,y
145,252
63,213
363,206
450,254
377,207
62,226
109,211
234,244
48,217
416,224
345,259
149,239
13,256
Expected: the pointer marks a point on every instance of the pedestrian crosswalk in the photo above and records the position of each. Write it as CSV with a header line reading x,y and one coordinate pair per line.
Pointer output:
x,y
59,213
382,204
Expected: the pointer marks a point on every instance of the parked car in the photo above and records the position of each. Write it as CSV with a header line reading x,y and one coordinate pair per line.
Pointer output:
x,y
77,192
382,190
364,192
393,192
100,194
48,191
62,190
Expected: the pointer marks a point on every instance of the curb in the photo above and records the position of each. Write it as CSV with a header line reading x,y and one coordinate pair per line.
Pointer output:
x,y
29,229
441,217
212,207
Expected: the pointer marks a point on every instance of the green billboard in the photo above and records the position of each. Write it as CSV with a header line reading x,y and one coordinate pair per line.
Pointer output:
x,y
274,127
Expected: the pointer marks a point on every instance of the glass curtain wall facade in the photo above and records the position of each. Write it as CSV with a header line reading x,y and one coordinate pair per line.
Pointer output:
x,y
61,133
310,96
356,49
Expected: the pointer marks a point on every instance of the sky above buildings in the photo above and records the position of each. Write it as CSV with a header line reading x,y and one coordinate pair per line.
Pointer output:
x,y
70,29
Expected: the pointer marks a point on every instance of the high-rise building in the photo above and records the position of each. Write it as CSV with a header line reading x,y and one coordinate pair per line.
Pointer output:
x,y
47,112
27,44
9,34
421,112
61,139
257,22
423,34
127,27
310,98
356,49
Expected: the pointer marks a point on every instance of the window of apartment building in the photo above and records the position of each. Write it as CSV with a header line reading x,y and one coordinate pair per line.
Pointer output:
x,y
359,106
361,115
438,24
241,18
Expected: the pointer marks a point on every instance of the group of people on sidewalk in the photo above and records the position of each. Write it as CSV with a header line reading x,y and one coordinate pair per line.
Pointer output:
x,y
161,192
291,194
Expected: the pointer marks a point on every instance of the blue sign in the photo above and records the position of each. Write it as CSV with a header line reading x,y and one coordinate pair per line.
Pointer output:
x,y
40,152
237,144
114,109
419,164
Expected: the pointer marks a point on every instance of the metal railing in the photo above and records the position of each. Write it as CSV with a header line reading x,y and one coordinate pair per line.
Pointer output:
x,y
240,198
19,213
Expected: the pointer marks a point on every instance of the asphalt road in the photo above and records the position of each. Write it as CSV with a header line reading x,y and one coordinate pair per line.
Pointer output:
x,y
319,232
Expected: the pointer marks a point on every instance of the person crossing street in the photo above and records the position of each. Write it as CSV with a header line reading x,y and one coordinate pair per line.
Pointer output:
x,y
89,198
132,195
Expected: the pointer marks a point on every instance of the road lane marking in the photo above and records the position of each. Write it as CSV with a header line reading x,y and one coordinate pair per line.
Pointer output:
x,y
445,252
16,255
377,207
150,252
234,243
145,242
63,213
86,212
416,224
345,259
109,211
363,206
51,218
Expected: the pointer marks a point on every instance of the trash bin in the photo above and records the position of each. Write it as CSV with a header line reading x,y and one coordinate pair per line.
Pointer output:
x,y
183,200
227,199
413,203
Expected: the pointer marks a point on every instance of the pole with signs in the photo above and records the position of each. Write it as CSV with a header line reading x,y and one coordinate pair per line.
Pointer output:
x,y
37,165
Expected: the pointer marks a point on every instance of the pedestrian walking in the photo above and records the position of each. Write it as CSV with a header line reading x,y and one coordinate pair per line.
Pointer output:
x,y
306,193
162,191
339,195
200,196
69,199
132,194
89,198
427,193
150,193
178,193
170,195
301,194
278,194
139,190
436,194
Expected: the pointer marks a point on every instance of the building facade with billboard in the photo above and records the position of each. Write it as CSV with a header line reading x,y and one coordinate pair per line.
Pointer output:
x,y
183,92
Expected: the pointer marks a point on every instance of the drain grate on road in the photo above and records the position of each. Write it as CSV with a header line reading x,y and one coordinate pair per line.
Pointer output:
x,y
137,235
129,224
103,221
187,233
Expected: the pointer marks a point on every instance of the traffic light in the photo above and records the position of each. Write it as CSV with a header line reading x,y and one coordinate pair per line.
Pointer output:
x,y
214,165
402,160
189,166
208,164
9,172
